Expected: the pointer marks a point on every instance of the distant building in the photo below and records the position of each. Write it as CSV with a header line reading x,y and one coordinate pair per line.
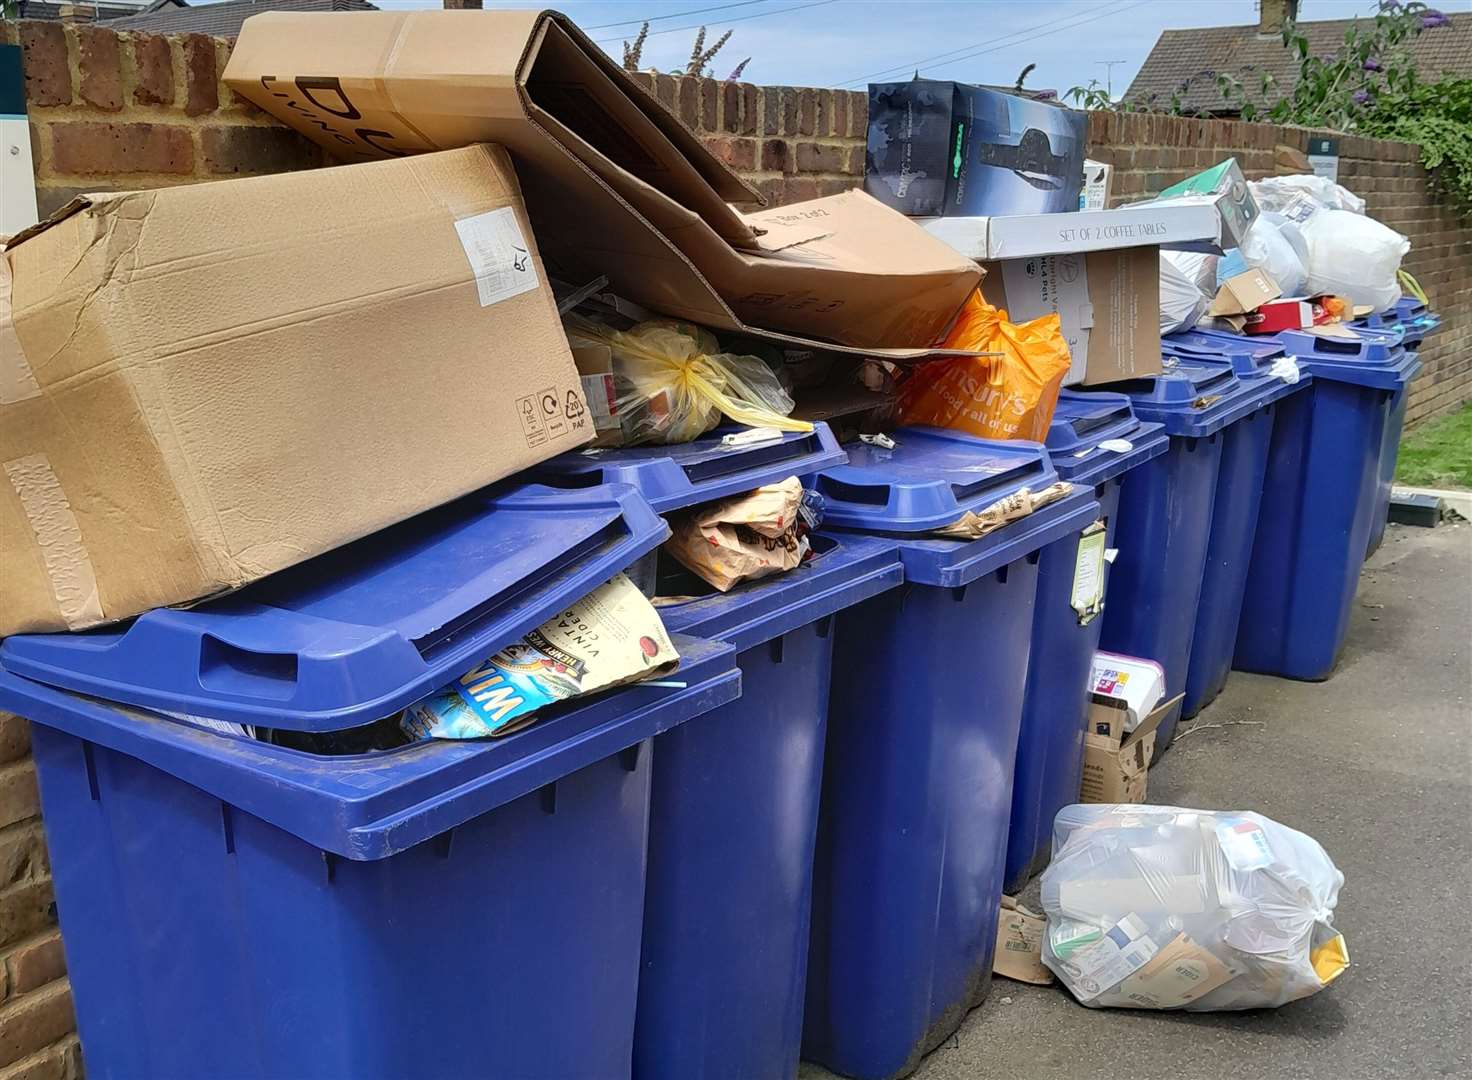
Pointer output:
x,y
1193,58
82,10
222,20
175,16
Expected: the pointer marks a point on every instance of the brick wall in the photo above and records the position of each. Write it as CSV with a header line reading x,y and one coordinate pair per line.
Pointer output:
x,y
36,1040
118,111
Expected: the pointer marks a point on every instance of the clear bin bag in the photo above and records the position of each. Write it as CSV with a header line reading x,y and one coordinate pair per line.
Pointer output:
x,y
1163,907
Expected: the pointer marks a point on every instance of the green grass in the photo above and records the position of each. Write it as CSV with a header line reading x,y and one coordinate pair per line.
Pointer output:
x,y
1438,454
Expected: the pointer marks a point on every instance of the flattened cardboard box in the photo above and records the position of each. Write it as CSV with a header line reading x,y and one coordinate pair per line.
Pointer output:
x,y
1117,766
616,185
201,385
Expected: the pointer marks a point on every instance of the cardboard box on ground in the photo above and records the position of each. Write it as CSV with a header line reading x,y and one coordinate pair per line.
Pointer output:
x,y
1116,764
616,185
205,384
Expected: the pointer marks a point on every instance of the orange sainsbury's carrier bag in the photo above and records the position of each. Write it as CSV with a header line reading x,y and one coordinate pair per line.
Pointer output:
x,y
1008,396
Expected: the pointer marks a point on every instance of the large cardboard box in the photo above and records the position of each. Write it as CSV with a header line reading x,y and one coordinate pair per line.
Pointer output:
x,y
1107,301
616,185
939,147
200,385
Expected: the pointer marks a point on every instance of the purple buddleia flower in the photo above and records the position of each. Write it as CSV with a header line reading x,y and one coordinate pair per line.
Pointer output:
x,y
1371,64
1433,18
1361,97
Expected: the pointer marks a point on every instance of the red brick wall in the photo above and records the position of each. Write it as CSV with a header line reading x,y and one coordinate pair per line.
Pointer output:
x,y
118,111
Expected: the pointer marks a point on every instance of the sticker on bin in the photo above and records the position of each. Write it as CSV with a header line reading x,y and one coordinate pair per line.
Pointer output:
x,y
1088,574
1244,844
610,637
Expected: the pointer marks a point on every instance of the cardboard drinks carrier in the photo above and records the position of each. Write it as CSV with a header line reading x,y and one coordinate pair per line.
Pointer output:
x,y
204,384
615,183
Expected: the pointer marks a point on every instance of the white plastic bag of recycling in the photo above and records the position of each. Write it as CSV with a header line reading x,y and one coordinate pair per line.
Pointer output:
x,y
1354,257
1275,193
1161,907
1275,244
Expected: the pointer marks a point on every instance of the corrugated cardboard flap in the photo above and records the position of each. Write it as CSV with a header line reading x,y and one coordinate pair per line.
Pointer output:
x,y
75,206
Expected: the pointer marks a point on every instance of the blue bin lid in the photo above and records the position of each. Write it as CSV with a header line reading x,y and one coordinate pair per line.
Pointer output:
x,y
1192,397
1081,421
1370,358
358,633
1374,359
1249,358
930,479
674,477
371,806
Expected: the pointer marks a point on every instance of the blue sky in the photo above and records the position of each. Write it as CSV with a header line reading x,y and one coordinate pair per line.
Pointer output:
x,y
850,42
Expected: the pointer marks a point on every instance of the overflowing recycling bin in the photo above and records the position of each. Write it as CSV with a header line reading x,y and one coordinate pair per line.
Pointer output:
x,y
1167,516
1413,322
923,724
1318,503
1094,442
735,799
1267,377
247,887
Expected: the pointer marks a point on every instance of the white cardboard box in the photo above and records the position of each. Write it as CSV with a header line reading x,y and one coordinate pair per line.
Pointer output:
x,y
1187,224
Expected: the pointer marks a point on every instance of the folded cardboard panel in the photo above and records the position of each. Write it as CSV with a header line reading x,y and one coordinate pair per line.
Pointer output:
x,y
616,185
201,385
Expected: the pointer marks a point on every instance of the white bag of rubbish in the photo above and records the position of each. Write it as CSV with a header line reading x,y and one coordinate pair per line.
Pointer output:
x,y
1355,257
1182,303
1161,907
1276,192
1276,245
1197,267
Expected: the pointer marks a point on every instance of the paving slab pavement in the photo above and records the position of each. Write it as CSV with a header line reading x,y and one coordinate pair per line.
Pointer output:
x,y
1376,763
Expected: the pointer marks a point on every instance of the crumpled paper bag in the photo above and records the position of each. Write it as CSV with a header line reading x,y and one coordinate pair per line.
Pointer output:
x,y
975,525
743,538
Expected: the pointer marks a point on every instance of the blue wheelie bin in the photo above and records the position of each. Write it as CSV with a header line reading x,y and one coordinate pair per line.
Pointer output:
x,y
922,744
1055,704
1167,518
734,809
247,908
1237,505
1318,502
1410,318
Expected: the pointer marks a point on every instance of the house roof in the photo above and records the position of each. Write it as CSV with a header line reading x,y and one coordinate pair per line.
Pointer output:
x,y
40,9
1197,56
223,20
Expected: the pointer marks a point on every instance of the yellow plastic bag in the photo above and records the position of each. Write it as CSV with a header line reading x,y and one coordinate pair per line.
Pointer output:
x,y
673,385
1011,396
